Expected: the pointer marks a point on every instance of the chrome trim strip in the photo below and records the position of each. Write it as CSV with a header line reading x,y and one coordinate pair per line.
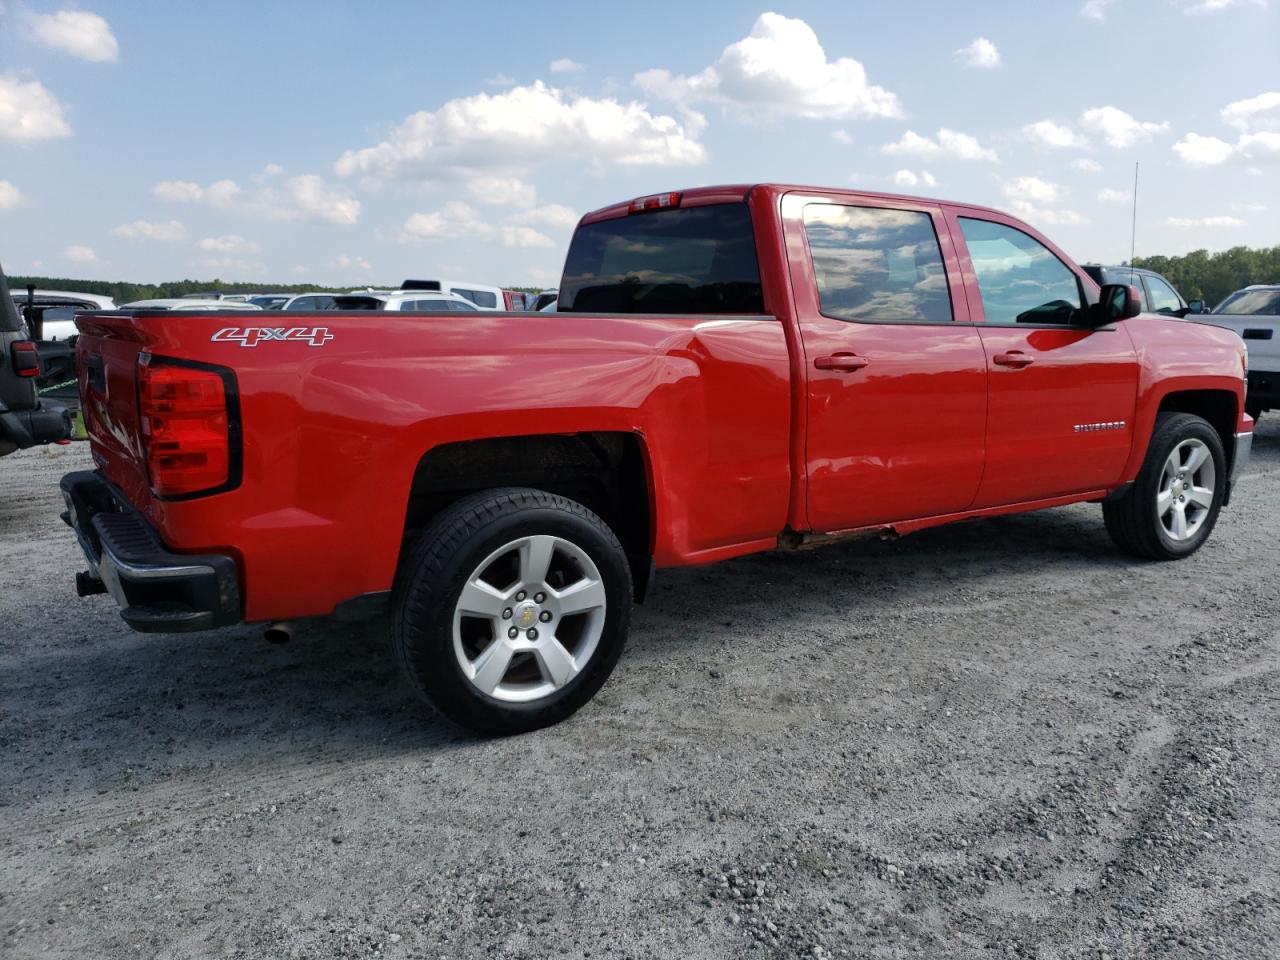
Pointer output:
x,y
1243,450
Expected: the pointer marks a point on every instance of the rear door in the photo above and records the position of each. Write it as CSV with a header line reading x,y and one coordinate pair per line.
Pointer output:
x,y
895,373
16,393
1061,394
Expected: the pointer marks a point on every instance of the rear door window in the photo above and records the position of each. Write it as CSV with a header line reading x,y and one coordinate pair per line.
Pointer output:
x,y
685,260
873,264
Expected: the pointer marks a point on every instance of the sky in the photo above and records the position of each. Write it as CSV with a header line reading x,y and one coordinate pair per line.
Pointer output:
x,y
349,143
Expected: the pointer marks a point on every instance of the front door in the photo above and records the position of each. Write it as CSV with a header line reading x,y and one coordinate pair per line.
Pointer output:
x,y
1062,393
896,375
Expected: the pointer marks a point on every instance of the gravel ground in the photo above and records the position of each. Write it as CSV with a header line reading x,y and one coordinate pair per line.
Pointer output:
x,y
995,739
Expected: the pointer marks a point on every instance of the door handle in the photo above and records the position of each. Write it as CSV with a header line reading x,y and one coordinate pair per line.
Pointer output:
x,y
841,361
1014,358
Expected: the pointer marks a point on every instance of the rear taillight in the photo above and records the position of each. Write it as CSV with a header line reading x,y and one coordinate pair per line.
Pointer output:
x,y
26,358
659,201
190,429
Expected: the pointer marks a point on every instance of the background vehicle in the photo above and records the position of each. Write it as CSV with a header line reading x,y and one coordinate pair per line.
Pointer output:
x,y
50,314
25,419
1157,293
1254,313
545,298
421,301
185,303
309,301
798,364
270,301
483,295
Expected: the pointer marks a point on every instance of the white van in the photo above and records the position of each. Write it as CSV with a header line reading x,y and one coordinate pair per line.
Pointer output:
x,y
483,295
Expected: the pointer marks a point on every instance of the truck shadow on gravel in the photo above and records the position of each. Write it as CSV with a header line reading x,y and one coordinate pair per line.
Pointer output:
x,y
125,708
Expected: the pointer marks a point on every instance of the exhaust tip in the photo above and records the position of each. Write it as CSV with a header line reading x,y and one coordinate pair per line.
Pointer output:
x,y
87,585
278,633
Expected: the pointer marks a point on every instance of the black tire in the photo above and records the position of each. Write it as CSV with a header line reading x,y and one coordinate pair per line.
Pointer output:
x,y
1132,519
446,555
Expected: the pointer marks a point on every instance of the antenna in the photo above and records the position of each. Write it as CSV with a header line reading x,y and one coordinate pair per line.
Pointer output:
x,y
1133,233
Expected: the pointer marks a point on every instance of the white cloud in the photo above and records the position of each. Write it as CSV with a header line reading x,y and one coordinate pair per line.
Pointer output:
x,y
1249,207
500,80
524,237
981,53
1119,129
1187,222
1035,199
454,219
1253,148
29,112
166,230
231,265
266,173
306,198
1095,10
1053,136
78,253
77,32
1257,113
344,262
1085,165
949,143
549,215
909,178
779,70
565,65
230,243
502,191
1114,196
472,136
1213,6
10,196
842,136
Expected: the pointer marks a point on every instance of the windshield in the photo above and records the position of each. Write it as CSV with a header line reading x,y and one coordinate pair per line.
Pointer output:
x,y
1250,303
687,260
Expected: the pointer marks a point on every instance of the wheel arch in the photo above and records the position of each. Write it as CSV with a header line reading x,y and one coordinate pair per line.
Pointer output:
x,y
1221,408
609,472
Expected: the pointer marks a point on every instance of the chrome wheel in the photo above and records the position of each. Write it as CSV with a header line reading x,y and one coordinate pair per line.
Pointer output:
x,y
529,618
1184,496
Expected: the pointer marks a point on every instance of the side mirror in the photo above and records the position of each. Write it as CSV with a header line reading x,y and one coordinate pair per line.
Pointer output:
x,y
1118,301
1196,306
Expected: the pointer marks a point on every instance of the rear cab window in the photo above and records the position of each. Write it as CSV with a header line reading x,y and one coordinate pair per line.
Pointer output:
x,y
699,259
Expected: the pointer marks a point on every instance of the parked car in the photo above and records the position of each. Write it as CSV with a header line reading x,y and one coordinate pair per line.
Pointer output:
x,y
185,303
799,364
50,314
1157,294
270,301
544,298
26,420
1254,313
421,301
481,294
309,301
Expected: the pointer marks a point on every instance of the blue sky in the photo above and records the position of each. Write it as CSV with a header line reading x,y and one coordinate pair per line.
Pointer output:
x,y
354,142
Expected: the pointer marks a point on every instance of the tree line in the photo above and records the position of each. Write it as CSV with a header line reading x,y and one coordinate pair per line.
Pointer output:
x,y
1212,276
1198,275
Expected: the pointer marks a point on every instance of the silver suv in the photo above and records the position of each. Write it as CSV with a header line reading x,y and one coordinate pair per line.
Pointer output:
x,y
1254,313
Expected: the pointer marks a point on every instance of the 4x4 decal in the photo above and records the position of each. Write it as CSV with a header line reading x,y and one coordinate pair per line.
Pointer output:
x,y
252,336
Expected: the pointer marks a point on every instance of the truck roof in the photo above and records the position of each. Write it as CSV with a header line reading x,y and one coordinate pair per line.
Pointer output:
x,y
737,192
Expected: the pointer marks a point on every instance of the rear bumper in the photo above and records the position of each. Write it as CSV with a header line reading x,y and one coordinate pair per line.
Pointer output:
x,y
157,591
45,423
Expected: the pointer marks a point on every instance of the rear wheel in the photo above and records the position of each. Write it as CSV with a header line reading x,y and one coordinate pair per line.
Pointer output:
x,y
1173,505
512,610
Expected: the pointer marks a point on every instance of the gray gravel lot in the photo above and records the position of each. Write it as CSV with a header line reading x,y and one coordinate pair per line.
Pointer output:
x,y
996,739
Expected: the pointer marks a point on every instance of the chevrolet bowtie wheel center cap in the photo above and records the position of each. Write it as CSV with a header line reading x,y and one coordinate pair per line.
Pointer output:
x,y
526,615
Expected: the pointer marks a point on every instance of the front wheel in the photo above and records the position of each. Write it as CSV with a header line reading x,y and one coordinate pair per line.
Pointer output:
x,y
512,610
1173,505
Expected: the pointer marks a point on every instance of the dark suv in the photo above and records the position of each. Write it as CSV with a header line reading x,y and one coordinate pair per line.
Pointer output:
x,y
25,420
1158,294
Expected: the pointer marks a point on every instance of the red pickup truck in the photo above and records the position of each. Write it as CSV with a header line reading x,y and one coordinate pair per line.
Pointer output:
x,y
731,369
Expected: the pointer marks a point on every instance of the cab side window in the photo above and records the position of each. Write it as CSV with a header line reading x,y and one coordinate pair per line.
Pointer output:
x,y
877,265
1020,279
1161,297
